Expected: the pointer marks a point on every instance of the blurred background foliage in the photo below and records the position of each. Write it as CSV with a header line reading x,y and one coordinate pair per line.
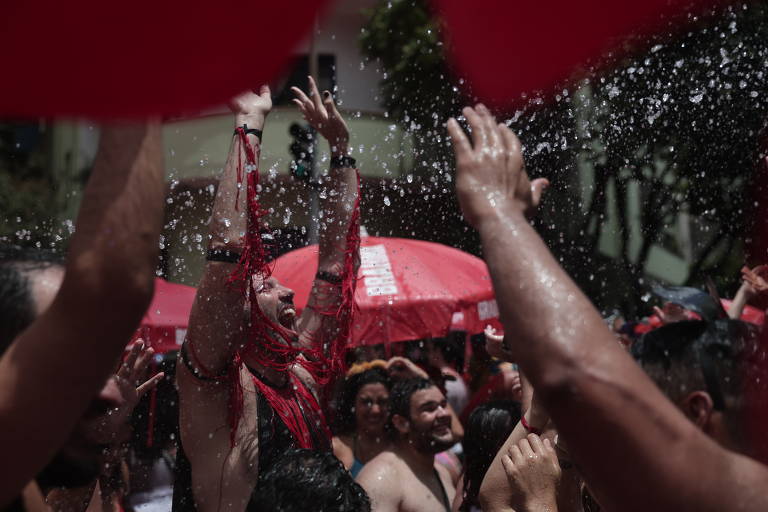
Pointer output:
x,y
656,152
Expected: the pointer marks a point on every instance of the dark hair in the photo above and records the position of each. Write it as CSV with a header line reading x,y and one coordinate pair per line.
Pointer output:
x,y
488,427
307,479
695,355
17,307
400,397
347,397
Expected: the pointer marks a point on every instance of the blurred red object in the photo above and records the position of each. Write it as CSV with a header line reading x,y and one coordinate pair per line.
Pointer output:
x,y
165,323
109,60
504,49
112,60
408,289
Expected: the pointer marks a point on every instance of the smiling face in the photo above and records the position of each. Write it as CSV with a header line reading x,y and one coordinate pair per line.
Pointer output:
x,y
429,427
371,408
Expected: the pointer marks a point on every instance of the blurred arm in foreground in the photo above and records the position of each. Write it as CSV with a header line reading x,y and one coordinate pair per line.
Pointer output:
x,y
53,369
596,394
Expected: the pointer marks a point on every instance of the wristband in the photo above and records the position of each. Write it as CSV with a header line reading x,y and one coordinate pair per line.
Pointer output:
x,y
338,162
251,131
222,255
528,428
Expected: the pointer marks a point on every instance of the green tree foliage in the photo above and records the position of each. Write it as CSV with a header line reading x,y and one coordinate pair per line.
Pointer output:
x,y
418,90
28,204
656,152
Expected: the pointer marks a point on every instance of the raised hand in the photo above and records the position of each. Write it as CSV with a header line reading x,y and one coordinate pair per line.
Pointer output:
x,y
533,473
252,108
491,175
756,278
403,368
323,116
496,345
131,384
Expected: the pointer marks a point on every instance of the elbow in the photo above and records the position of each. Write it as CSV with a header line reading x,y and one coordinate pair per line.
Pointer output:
x,y
557,382
121,291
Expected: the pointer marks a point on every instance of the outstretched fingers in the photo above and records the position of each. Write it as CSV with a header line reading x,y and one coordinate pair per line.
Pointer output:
x,y
126,368
459,141
302,99
478,128
538,186
315,95
149,384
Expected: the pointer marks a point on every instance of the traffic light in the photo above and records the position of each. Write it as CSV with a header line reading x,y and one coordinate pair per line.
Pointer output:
x,y
302,150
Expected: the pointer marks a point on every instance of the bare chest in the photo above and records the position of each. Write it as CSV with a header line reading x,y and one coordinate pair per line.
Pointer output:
x,y
426,495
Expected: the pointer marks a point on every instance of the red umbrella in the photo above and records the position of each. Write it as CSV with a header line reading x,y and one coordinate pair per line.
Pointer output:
x,y
408,289
165,323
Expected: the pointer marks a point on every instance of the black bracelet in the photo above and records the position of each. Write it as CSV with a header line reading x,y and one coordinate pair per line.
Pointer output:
x,y
341,162
251,131
223,255
329,277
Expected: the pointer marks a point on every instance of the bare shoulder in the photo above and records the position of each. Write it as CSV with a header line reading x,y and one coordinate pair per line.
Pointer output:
x,y
383,470
382,479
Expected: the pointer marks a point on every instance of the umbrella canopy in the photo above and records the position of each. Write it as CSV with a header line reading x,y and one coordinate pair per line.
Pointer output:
x,y
408,289
165,323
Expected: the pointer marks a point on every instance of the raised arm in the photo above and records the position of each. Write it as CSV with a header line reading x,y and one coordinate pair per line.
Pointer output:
x,y
52,370
339,194
217,318
596,394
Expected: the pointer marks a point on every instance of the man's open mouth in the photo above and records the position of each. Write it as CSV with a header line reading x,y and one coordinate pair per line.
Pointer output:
x,y
287,317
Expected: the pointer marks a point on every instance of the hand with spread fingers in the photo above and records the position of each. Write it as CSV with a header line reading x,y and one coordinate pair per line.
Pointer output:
x,y
533,473
131,384
491,177
321,113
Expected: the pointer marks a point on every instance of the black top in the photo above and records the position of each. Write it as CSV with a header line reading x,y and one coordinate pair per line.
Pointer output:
x,y
274,439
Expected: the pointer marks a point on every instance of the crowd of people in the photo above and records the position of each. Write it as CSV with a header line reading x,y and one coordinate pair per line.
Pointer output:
x,y
261,409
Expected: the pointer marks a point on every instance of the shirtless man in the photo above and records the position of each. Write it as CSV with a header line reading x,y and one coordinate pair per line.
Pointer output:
x,y
406,477
601,401
57,357
246,398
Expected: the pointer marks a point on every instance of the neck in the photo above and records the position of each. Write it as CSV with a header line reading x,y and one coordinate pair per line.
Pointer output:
x,y
420,463
269,375
371,441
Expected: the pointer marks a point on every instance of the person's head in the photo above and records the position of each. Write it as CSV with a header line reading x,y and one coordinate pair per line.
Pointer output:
x,y
419,416
308,480
701,367
29,280
271,321
364,401
276,301
488,427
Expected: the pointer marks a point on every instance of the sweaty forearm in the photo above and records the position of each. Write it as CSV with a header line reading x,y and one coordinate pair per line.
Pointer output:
x,y
337,205
65,356
229,221
115,246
